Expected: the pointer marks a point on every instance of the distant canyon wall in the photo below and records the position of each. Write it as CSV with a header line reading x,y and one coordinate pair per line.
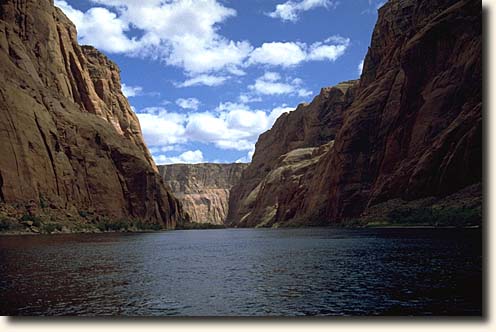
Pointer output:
x,y
69,138
411,127
203,189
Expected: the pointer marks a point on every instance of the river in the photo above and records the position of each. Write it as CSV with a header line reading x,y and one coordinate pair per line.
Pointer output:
x,y
244,272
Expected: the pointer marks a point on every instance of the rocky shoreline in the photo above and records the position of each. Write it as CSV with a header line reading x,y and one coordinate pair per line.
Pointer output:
x,y
337,226
20,219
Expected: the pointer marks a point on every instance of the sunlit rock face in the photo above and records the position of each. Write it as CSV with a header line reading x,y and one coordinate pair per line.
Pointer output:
x,y
410,128
203,189
68,134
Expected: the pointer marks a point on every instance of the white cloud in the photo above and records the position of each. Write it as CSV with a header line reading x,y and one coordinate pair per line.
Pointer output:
x,y
182,33
278,54
360,67
245,98
271,76
304,93
189,103
206,127
131,91
270,84
290,10
208,80
188,157
290,54
231,126
331,49
196,55
161,127
271,88
101,28
186,34
155,150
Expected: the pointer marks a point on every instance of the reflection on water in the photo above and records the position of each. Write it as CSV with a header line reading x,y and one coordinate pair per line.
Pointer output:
x,y
244,272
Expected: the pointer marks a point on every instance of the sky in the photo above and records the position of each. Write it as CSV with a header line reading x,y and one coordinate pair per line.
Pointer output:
x,y
207,77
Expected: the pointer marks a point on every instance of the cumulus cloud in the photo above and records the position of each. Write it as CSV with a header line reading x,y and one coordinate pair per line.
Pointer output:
x,y
270,84
189,103
304,93
131,91
230,126
290,53
196,55
245,98
182,33
186,34
157,150
331,49
162,128
208,80
101,28
188,157
268,87
282,54
290,10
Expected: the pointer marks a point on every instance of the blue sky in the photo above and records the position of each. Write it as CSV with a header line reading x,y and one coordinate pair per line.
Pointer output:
x,y
207,77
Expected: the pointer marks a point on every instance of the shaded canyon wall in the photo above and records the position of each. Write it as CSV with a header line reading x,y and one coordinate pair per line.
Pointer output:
x,y
410,128
69,138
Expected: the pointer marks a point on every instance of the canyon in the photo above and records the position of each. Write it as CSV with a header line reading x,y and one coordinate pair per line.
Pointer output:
x,y
72,150
404,138
203,189
395,154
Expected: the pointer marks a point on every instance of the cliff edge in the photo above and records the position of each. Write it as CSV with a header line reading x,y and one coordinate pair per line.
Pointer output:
x,y
410,129
70,141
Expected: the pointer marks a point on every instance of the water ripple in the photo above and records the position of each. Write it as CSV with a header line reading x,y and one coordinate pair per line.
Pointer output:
x,y
284,272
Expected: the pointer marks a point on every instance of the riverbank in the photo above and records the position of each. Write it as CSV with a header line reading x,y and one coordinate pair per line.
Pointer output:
x,y
463,210
95,230
29,219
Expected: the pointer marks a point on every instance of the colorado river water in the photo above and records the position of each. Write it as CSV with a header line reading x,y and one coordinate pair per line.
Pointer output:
x,y
244,272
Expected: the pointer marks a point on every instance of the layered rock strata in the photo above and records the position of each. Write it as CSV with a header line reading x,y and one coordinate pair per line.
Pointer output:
x,y
203,189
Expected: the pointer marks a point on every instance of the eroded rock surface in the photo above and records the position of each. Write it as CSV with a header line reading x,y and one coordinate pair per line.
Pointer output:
x,y
285,155
203,189
69,139
411,128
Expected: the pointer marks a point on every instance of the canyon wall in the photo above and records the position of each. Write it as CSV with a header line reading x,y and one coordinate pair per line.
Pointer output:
x,y
69,139
203,189
410,128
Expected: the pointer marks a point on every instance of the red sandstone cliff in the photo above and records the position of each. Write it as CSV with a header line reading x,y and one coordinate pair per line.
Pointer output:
x,y
412,129
69,138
